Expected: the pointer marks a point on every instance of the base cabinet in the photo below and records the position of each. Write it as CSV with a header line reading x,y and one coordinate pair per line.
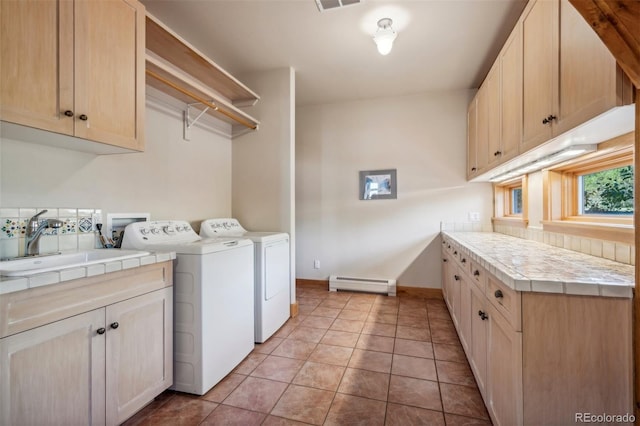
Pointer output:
x,y
540,358
98,367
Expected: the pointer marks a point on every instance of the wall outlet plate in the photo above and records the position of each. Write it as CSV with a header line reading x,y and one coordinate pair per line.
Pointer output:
x,y
474,216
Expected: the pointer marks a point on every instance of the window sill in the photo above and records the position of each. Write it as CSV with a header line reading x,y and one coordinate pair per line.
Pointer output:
x,y
610,232
515,221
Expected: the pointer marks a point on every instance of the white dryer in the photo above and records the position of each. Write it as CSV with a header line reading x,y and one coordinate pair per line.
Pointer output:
x,y
272,273
213,300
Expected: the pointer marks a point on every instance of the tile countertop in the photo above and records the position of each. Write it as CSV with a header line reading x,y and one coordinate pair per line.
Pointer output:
x,y
11,284
526,265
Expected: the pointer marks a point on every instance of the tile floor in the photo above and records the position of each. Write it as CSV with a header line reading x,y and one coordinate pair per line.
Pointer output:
x,y
347,359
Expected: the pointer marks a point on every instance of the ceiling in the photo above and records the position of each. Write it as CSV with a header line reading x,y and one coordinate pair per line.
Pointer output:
x,y
441,44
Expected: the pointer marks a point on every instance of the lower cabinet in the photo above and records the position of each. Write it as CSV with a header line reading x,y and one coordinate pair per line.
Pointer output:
x,y
93,368
540,358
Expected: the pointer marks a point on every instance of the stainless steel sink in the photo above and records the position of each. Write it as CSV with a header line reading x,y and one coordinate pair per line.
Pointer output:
x,y
23,267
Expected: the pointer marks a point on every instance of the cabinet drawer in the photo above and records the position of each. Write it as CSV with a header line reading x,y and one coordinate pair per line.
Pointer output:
x,y
478,274
505,300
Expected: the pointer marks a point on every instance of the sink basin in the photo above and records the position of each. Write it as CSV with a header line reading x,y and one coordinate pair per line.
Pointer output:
x,y
27,266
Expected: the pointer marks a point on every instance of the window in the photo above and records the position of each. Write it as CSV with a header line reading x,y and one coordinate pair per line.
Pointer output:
x,y
510,206
593,195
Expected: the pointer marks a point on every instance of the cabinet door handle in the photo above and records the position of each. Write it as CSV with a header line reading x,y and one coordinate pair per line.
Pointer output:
x,y
455,252
545,121
68,113
456,277
83,117
482,315
476,273
101,330
495,154
444,260
473,169
115,325
464,260
549,119
498,294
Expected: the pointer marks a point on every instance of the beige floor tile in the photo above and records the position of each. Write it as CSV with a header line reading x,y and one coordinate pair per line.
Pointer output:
x,y
325,312
415,311
403,415
355,411
285,330
224,387
249,363
463,400
317,322
319,376
411,321
281,421
268,346
182,409
384,309
307,334
383,318
340,338
329,354
298,349
375,343
415,392
454,420
413,333
379,329
367,384
413,348
256,394
352,326
305,309
453,353
350,314
333,303
227,415
278,368
358,305
456,373
419,368
304,404
371,360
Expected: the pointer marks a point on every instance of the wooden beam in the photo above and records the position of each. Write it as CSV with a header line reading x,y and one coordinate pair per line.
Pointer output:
x,y
617,22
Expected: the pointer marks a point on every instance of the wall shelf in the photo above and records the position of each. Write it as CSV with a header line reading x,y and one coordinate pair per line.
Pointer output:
x,y
178,69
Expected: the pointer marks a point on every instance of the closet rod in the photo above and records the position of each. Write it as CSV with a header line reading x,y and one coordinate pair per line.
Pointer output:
x,y
201,100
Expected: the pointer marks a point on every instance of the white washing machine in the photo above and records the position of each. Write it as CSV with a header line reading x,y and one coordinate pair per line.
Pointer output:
x,y
272,273
213,300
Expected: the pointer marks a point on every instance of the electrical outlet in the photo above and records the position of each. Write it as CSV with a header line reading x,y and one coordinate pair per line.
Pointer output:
x,y
316,264
474,216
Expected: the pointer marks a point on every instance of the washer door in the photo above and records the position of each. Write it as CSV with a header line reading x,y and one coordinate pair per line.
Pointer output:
x,y
276,265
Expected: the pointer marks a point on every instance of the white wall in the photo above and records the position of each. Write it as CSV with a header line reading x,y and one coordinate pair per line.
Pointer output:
x,y
422,136
263,161
171,179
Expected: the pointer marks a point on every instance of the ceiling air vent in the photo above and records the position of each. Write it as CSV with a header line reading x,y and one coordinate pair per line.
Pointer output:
x,y
333,4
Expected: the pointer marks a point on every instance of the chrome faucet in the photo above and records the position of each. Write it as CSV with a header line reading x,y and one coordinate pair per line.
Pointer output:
x,y
34,231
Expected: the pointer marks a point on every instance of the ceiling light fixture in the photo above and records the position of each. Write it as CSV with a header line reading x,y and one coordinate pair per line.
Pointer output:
x,y
385,36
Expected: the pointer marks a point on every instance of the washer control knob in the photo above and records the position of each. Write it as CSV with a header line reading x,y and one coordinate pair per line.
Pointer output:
x,y
144,231
169,230
155,231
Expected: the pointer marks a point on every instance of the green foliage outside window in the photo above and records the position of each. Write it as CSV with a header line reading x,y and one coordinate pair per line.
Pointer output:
x,y
608,192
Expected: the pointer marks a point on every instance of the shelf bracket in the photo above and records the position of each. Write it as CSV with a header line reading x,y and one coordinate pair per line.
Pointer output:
x,y
188,122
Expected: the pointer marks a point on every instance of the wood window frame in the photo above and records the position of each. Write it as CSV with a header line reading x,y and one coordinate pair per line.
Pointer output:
x,y
502,203
560,194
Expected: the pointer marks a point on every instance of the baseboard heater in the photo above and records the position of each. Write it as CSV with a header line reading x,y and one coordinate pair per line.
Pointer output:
x,y
370,285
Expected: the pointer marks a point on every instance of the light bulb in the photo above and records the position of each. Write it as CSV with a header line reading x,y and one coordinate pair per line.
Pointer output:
x,y
385,36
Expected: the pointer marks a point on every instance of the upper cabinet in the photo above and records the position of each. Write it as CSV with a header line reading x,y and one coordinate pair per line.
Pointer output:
x,y
472,139
178,69
552,75
75,68
569,75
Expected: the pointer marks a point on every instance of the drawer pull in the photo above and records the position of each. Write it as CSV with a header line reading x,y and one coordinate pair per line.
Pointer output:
x,y
476,273
101,330
456,277
449,246
483,316
68,113
444,260
115,325
464,260
498,294
455,252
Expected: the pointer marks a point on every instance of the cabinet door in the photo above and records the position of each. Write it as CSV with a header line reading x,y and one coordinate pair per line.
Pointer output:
x,y
586,89
54,374
36,63
511,94
540,59
504,370
478,359
482,128
464,324
139,352
109,54
493,115
472,142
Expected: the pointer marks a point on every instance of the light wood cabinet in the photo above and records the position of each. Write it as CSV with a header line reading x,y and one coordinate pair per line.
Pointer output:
x,y
75,68
533,361
492,139
472,139
569,75
511,95
62,364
